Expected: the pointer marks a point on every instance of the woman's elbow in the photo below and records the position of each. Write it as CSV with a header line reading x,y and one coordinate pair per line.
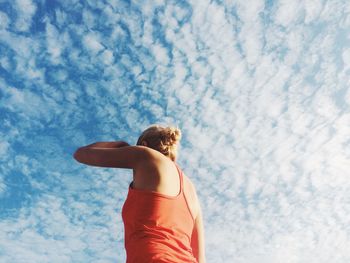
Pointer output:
x,y
79,155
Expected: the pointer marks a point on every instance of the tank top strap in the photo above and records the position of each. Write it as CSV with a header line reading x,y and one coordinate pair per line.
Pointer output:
x,y
189,194
181,178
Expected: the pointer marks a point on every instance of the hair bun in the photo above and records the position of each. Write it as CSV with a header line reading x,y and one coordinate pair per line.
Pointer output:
x,y
162,139
173,135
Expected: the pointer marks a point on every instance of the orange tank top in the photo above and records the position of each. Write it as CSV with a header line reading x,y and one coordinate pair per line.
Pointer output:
x,y
158,227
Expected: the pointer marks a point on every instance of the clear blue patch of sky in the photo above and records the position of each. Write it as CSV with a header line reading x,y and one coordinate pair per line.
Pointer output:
x,y
18,193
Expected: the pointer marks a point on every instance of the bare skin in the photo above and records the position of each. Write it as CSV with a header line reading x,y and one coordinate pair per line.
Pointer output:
x,y
152,171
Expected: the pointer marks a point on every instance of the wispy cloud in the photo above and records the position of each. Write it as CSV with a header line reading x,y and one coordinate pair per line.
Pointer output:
x,y
25,10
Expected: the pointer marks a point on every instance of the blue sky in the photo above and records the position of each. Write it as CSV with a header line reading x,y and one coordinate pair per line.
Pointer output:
x,y
259,88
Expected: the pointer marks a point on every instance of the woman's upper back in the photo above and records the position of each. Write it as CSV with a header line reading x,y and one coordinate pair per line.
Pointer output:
x,y
157,173
158,227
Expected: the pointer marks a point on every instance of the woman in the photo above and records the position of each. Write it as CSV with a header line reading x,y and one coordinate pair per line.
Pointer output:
x,y
161,215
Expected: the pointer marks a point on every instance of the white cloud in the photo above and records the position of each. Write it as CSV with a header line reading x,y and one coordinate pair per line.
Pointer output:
x,y
92,43
313,9
107,57
4,20
54,45
3,187
61,17
5,63
26,10
346,58
4,146
23,101
331,9
160,54
89,18
288,12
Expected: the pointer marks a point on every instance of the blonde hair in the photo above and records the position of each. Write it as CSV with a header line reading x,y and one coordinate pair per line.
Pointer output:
x,y
161,139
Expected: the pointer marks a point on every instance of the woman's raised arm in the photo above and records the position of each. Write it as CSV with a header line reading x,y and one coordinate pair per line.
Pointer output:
x,y
111,154
116,144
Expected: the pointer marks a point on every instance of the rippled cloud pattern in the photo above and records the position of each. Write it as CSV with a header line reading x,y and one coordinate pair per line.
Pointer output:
x,y
259,88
